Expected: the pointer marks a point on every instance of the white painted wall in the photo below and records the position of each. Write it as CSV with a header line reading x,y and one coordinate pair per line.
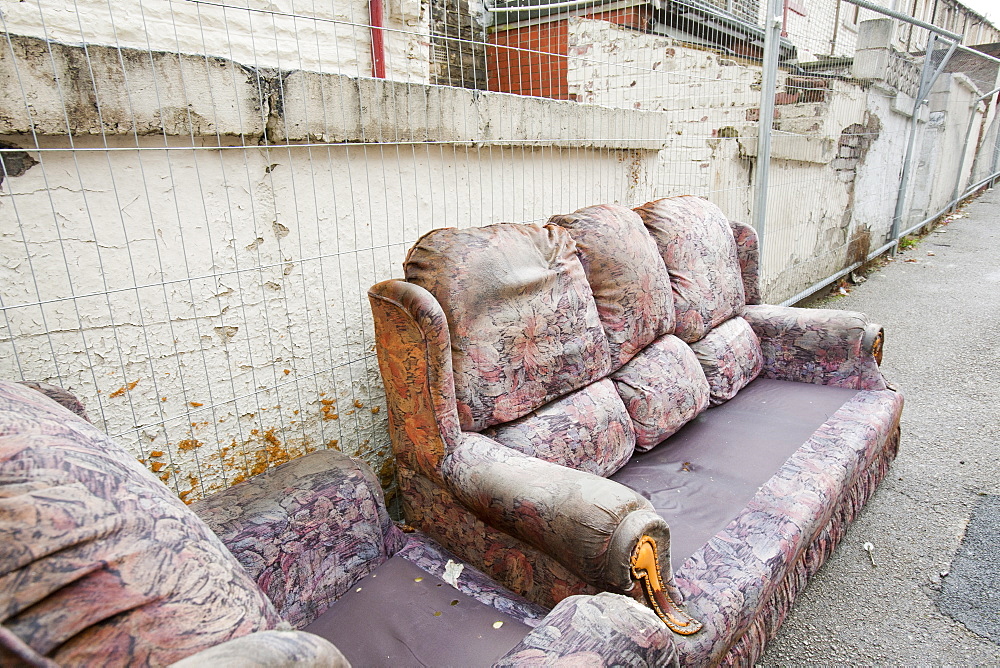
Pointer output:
x,y
210,304
701,91
321,37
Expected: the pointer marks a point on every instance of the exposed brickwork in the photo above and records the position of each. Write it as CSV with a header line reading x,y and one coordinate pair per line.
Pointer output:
x,y
458,50
530,60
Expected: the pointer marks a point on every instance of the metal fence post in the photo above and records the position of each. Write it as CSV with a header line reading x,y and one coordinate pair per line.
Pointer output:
x,y
928,76
957,193
768,87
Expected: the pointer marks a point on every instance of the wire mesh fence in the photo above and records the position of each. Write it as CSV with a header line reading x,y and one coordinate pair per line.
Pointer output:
x,y
196,195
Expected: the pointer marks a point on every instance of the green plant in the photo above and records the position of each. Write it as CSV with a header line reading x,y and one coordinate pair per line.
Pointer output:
x,y
906,243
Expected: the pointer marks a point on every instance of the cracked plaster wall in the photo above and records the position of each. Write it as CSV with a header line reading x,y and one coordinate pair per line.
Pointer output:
x,y
326,37
837,147
202,289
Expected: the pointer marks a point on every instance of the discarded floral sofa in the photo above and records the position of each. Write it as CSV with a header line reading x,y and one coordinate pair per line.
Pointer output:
x,y
101,564
601,404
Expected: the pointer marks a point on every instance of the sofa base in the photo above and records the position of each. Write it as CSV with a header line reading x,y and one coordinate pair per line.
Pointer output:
x,y
742,582
750,646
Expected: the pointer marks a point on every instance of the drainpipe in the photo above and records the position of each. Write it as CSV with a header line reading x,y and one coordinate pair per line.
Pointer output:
x,y
836,26
769,80
378,38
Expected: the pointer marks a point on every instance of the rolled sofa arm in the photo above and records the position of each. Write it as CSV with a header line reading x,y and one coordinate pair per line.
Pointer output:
x,y
748,254
269,649
595,631
414,355
604,532
821,346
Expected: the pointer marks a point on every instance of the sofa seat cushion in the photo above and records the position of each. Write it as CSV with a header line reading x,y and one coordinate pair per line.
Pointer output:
x,y
630,282
663,387
730,356
704,476
522,319
401,615
100,563
588,430
697,244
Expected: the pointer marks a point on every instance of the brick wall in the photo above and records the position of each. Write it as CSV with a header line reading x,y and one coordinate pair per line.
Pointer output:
x,y
533,60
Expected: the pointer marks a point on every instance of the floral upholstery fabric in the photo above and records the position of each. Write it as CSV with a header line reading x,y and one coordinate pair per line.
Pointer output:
x,y
549,532
426,553
523,568
730,357
588,430
305,531
269,648
591,631
414,356
572,515
80,589
696,242
100,564
663,388
763,546
822,346
748,253
523,322
630,282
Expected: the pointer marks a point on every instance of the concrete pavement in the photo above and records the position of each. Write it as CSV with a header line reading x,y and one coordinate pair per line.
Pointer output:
x,y
940,305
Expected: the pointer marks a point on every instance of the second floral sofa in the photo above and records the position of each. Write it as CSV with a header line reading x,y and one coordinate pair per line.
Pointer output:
x,y
601,403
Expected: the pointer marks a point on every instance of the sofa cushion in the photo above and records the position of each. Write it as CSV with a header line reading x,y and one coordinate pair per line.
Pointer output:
x,y
588,429
305,531
705,475
419,619
730,357
663,387
697,245
100,563
630,282
523,323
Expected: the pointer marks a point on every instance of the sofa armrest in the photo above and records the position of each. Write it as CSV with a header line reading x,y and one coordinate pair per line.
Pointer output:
x,y
596,631
305,531
269,649
414,354
822,346
604,532
748,254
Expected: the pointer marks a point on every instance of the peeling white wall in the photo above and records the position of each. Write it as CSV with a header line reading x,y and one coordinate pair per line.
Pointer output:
x,y
835,163
321,37
702,91
209,304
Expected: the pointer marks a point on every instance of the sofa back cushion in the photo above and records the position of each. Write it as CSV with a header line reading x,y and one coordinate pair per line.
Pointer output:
x,y
630,282
698,247
730,356
588,430
100,563
663,388
523,322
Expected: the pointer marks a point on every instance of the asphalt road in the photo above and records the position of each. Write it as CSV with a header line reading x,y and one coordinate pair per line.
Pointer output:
x,y
940,305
